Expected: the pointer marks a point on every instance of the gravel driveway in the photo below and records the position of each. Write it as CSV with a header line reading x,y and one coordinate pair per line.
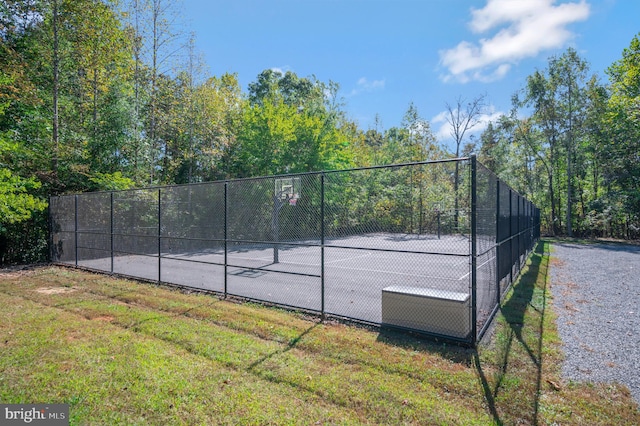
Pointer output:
x,y
596,290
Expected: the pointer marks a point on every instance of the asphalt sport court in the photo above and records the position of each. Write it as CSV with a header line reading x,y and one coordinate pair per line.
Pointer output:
x,y
356,269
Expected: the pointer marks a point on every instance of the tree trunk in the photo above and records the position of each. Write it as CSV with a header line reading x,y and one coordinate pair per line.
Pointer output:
x,y
553,205
569,207
56,89
152,102
95,103
569,176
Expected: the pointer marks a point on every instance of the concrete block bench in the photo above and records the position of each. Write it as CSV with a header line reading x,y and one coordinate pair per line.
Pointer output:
x,y
427,309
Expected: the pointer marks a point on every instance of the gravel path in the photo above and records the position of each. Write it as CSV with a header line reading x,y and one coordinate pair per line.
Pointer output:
x,y
596,290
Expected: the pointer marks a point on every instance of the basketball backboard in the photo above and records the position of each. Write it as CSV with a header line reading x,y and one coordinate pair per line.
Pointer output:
x,y
288,188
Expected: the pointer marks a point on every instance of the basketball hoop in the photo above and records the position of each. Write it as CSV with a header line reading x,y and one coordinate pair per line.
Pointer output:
x,y
288,189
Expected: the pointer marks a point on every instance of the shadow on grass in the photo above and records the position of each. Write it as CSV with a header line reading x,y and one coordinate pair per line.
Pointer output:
x,y
525,319
447,350
292,344
168,313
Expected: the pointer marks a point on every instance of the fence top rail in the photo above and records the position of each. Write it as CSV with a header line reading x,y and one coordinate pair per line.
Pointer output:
x,y
312,173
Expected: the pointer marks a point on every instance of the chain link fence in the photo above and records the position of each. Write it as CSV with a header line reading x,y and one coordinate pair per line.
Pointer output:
x,y
429,247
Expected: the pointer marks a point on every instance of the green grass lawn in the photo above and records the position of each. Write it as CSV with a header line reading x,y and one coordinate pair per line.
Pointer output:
x,y
123,352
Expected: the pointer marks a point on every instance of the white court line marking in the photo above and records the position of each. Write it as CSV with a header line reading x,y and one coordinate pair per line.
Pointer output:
x,y
374,270
464,261
401,273
359,269
254,258
478,266
364,269
367,254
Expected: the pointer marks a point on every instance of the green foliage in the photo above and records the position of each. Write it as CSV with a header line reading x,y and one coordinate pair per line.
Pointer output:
x,y
623,123
280,137
17,203
23,225
111,181
575,155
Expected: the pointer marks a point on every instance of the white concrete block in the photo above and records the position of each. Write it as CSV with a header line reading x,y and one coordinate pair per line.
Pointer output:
x,y
427,309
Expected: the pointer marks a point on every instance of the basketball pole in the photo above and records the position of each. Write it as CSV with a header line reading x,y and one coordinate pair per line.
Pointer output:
x,y
275,223
283,194
277,205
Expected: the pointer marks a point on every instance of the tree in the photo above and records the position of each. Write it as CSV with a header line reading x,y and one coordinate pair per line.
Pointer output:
x,y
291,125
56,84
102,54
622,120
420,139
462,118
302,93
489,154
157,41
567,74
220,108
72,54
558,99
139,146
18,201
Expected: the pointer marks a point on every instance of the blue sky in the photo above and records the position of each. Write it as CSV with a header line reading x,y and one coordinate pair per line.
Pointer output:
x,y
386,54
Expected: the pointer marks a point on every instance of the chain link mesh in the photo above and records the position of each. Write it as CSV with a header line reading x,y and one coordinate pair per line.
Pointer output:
x,y
62,212
397,244
192,239
384,245
487,292
94,231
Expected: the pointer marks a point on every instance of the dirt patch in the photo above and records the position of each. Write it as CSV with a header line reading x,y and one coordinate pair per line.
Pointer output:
x,y
105,318
20,270
570,308
55,290
14,273
554,261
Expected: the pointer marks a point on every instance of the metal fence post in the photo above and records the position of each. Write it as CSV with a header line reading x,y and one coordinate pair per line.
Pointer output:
x,y
226,248
519,233
322,230
498,245
75,226
111,228
159,236
474,200
510,236
50,231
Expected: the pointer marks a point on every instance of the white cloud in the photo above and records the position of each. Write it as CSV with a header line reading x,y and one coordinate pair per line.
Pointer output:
x,y
370,85
364,85
524,29
282,70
